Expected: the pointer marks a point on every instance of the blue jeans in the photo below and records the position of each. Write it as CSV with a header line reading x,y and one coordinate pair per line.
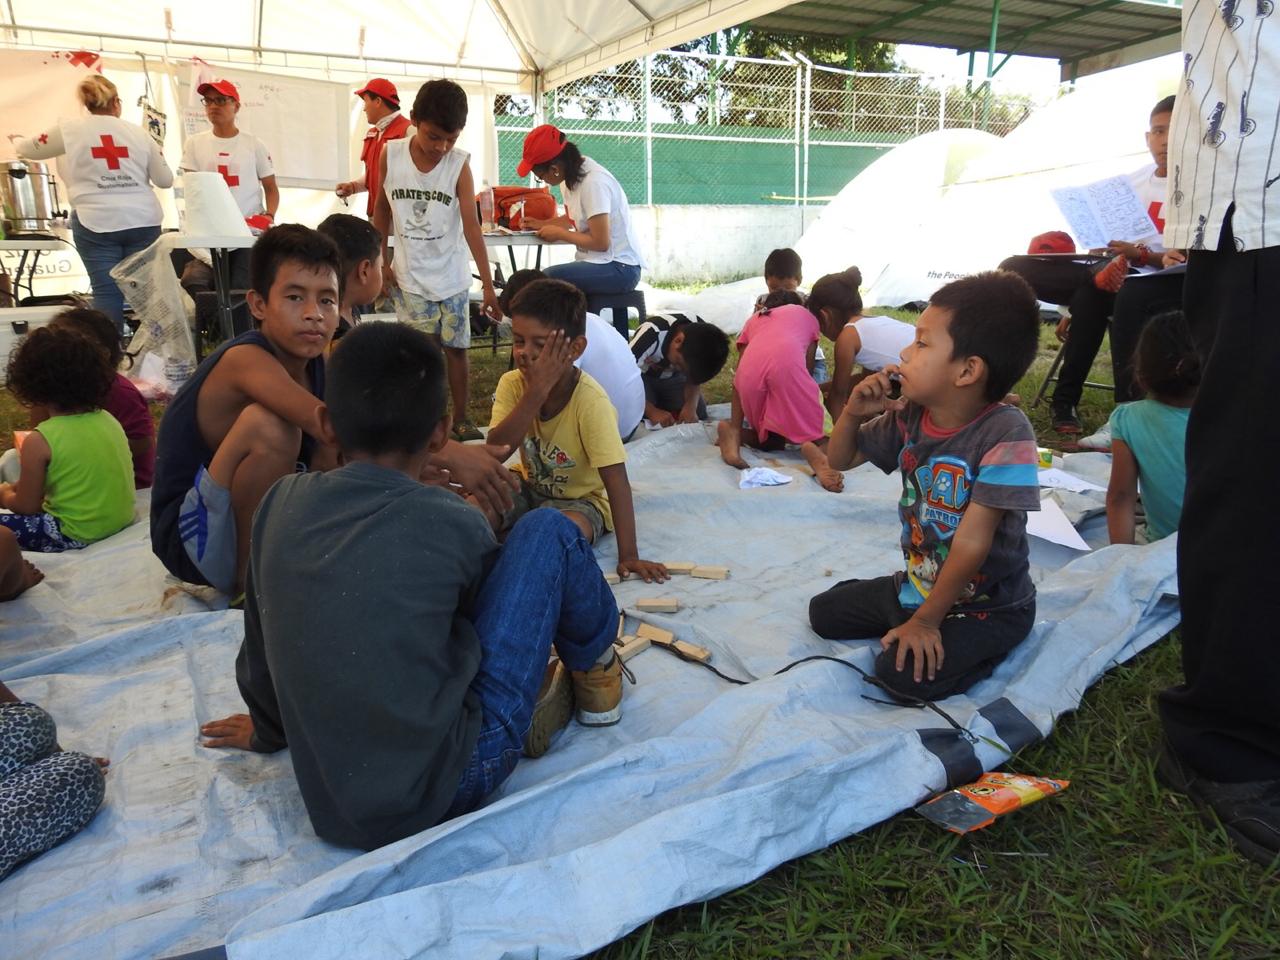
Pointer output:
x,y
595,278
546,588
102,251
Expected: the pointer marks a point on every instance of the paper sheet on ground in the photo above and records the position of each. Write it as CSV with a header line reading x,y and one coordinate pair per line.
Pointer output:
x,y
1058,479
1050,523
761,477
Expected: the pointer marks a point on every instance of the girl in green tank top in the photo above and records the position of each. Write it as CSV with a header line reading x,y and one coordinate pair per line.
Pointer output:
x,y
76,479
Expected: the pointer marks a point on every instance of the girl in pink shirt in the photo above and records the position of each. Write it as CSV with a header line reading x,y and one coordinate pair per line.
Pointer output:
x,y
773,391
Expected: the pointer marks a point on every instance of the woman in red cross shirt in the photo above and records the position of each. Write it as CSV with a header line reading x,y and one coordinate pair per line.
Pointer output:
x,y
109,167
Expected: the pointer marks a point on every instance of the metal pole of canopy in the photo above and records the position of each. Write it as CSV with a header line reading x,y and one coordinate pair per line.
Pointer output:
x,y
968,83
991,59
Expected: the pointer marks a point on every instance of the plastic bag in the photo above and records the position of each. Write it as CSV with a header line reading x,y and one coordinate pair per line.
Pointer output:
x,y
977,805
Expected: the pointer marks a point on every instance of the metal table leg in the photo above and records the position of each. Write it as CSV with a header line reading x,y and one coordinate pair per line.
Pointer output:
x,y
222,285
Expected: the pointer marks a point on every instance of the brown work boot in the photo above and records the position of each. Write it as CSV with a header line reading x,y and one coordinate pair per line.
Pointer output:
x,y
598,692
551,711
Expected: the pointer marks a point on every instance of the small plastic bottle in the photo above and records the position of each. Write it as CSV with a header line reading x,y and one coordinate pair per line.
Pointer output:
x,y
486,208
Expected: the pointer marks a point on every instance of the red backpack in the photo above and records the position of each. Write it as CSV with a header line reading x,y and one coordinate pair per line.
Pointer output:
x,y
512,204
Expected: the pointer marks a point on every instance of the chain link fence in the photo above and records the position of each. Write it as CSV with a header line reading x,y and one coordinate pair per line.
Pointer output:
x,y
684,128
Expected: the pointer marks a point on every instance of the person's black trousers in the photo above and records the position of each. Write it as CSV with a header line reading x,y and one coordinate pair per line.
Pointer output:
x,y
1224,719
973,644
1141,298
1069,283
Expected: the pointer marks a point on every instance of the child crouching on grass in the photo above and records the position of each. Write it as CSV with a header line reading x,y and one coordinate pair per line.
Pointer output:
x,y
409,699
1149,437
969,474
571,456
76,473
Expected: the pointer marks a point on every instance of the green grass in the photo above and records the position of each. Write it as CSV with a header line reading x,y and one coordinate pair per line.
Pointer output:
x,y
1115,867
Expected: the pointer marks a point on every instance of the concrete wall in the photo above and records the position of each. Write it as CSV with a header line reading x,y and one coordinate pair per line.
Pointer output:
x,y
711,243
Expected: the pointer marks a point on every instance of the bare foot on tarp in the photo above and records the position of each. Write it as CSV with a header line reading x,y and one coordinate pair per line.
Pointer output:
x,y
830,479
31,575
730,442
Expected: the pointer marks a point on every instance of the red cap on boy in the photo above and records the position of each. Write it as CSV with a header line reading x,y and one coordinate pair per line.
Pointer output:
x,y
382,88
224,87
1055,241
541,145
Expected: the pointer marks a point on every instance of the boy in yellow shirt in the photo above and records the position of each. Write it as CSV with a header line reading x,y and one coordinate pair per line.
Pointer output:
x,y
571,457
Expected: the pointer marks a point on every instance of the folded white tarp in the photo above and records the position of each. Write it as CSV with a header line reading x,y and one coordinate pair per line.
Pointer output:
x,y
701,788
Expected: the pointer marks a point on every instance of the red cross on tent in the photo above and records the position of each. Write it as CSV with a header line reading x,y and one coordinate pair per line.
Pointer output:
x,y
83,58
110,152
226,175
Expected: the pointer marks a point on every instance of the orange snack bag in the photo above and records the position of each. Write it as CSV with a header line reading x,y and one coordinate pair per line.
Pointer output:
x,y
977,805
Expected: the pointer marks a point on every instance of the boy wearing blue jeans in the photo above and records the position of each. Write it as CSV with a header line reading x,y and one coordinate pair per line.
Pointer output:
x,y
969,476
403,657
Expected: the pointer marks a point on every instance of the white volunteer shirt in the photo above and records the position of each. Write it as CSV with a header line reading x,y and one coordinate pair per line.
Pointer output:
x,y
1152,191
242,160
1222,145
609,362
108,167
599,192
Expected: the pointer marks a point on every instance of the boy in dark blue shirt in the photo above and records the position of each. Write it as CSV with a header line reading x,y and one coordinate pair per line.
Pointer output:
x,y
400,654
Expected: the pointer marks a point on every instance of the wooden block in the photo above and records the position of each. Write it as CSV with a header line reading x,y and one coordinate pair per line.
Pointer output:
x,y
612,579
701,654
622,618
632,646
711,573
679,567
658,605
656,634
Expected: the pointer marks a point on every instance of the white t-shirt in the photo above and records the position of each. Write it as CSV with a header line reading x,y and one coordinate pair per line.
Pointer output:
x,y
883,340
242,160
599,192
1152,191
108,166
431,257
609,362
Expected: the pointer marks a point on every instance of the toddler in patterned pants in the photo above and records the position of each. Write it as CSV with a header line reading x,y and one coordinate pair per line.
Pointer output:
x,y
46,795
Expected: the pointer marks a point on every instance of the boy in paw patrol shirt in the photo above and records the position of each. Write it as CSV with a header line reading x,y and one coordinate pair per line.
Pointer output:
x,y
969,474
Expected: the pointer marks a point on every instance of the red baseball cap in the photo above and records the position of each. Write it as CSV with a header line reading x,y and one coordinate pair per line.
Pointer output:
x,y
224,87
1055,241
541,145
381,88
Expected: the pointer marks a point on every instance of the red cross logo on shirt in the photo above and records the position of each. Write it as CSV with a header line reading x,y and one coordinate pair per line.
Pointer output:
x,y
109,152
42,139
232,181
1154,211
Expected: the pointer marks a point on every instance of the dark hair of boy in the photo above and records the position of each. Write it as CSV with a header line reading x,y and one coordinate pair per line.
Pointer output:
x,y
781,298
61,367
515,283
291,242
705,348
839,292
783,262
1165,362
571,161
95,325
1164,106
553,303
995,316
385,389
355,238
441,102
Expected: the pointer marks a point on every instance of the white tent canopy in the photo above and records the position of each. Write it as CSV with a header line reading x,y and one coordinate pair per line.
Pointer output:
x,y
522,42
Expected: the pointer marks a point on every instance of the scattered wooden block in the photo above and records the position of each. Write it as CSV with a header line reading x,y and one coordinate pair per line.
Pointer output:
x,y
622,618
701,654
665,638
632,646
612,579
656,634
711,573
679,567
658,605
